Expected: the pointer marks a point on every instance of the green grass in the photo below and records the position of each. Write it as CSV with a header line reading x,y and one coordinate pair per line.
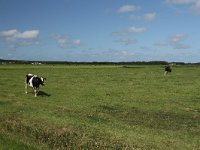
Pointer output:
x,y
101,107
10,143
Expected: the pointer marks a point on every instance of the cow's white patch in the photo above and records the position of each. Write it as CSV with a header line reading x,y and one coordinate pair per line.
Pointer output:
x,y
42,79
30,83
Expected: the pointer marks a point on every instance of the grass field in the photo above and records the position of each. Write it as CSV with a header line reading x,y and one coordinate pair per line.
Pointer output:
x,y
101,107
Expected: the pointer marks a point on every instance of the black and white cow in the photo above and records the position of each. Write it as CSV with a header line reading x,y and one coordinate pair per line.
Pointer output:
x,y
33,81
168,69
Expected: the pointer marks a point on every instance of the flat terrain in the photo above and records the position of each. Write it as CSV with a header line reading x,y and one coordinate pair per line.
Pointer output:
x,y
101,107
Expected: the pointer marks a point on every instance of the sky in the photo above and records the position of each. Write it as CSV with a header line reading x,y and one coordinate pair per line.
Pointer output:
x,y
100,30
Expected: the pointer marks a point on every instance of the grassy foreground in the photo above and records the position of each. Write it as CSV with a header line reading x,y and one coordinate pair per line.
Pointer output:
x,y
101,107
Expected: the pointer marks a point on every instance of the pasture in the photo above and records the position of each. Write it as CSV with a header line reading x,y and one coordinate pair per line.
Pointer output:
x,y
101,107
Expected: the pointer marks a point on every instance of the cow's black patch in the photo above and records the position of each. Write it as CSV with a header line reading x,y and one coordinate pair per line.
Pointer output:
x,y
168,69
36,81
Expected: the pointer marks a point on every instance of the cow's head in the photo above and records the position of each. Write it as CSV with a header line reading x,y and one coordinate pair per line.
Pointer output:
x,y
42,79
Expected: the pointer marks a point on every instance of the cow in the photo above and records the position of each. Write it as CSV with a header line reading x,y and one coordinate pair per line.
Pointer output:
x,y
33,81
168,69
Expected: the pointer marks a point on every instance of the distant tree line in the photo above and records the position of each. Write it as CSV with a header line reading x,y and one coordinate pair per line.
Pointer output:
x,y
2,61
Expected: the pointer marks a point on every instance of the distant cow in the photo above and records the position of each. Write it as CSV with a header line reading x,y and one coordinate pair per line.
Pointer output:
x,y
33,81
168,69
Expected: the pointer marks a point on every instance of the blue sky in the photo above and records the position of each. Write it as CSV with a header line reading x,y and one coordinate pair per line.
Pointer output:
x,y
100,30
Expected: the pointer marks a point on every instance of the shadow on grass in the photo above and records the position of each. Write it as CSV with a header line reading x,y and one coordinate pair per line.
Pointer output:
x,y
42,93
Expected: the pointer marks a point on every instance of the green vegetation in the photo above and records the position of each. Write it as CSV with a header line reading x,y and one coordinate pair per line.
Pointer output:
x,y
101,107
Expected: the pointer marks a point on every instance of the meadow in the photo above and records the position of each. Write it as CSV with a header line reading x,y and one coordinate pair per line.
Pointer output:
x,y
101,107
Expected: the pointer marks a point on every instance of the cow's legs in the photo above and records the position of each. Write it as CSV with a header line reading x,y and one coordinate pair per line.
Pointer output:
x,y
36,90
26,86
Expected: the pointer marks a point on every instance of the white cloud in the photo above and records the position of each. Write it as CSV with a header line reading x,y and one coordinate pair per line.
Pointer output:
x,y
177,38
175,41
126,41
15,34
77,42
194,5
65,41
129,31
8,33
128,8
146,17
180,1
28,34
149,16
136,30
14,39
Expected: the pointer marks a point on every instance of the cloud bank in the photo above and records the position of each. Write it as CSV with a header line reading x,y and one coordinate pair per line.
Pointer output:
x,y
145,17
66,41
14,39
175,41
194,5
15,34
